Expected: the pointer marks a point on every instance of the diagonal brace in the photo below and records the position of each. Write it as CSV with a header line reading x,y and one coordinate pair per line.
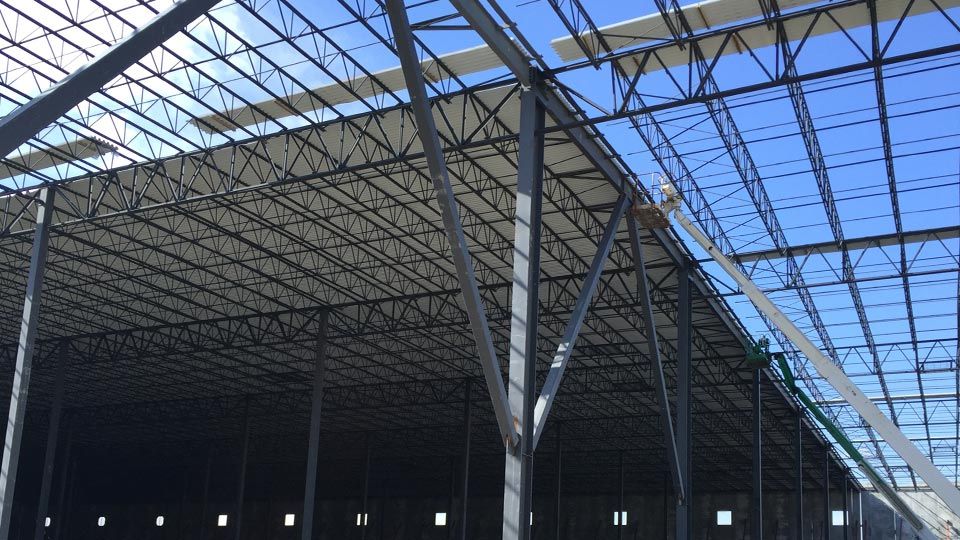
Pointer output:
x,y
436,163
660,383
565,349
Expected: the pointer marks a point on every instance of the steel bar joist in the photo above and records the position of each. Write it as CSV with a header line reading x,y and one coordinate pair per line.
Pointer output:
x,y
451,219
24,363
27,120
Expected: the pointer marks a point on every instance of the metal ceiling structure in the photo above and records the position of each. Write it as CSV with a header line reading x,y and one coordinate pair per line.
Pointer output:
x,y
259,176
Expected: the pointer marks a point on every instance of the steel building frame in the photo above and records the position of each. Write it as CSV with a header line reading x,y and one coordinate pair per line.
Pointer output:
x,y
259,280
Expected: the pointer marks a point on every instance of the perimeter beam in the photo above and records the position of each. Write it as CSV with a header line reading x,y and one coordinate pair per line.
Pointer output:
x,y
24,365
433,152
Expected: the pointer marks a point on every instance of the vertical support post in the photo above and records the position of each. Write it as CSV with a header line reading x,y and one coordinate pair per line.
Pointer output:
x,y
364,522
827,522
684,525
465,484
21,376
242,481
620,519
313,446
204,503
756,506
518,473
559,487
53,432
61,512
798,465
846,507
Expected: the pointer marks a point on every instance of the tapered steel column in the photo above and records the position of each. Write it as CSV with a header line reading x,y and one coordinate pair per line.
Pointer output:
x,y
313,450
465,484
518,473
21,375
798,465
53,432
756,506
684,517
242,481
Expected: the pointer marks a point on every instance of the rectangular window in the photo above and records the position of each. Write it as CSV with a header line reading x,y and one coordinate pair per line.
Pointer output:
x,y
440,519
838,518
289,520
362,519
724,517
222,520
620,518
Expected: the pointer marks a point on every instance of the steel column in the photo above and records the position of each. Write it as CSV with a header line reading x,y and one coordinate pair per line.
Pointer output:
x,y
465,484
827,522
684,525
433,152
846,507
21,377
620,510
60,513
364,522
28,119
659,380
205,496
798,464
53,432
756,506
524,324
313,451
242,480
559,487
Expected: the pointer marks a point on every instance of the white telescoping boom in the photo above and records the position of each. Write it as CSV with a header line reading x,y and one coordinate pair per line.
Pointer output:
x,y
889,431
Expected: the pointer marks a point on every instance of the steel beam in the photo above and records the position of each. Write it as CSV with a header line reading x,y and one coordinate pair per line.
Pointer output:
x,y
60,514
53,433
28,119
827,521
846,508
493,34
451,218
659,380
525,320
552,385
756,503
684,525
242,476
24,365
365,509
313,452
465,475
558,501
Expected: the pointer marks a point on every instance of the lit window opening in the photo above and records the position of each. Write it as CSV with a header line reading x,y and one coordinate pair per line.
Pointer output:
x,y
222,520
289,520
724,517
620,518
364,518
440,519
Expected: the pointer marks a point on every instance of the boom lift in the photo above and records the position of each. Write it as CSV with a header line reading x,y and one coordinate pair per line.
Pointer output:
x,y
832,373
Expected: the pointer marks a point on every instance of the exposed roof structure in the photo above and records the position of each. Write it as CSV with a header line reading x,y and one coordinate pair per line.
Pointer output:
x,y
262,170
